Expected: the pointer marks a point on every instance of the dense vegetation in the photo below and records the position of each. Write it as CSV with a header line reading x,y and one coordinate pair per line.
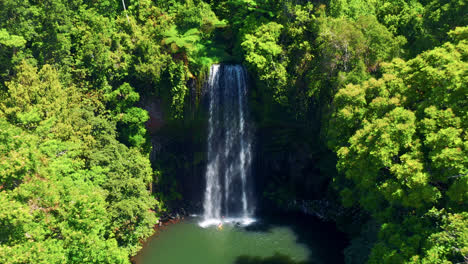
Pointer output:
x,y
372,93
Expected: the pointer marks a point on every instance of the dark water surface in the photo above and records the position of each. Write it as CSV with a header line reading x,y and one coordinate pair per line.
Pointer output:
x,y
273,240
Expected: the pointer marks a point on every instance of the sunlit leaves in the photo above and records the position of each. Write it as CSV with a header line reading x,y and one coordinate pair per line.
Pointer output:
x,y
344,43
179,89
70,198
184,41
403,143
34,96
11,41
263,54
18,156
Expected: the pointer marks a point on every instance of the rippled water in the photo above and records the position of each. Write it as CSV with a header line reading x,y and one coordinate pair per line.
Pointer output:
x,y
278,241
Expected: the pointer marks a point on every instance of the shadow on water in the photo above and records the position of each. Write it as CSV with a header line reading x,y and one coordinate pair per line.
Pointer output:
x,y
278,239
275,259
322,239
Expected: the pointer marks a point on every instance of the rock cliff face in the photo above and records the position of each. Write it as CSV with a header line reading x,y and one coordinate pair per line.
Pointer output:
x,y
285,167
178,150
154,108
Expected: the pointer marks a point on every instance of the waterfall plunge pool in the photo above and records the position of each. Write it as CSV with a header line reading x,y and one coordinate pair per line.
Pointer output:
x,y
272,240
269,240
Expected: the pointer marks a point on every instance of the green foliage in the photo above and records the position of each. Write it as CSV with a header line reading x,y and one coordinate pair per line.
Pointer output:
x,y
425,24
450,242
19,159
177,79
401,141
181,42
352,8
9,45
197,15
130,120
128,176
344,43
58,220
264,56
72,192
74,165
34,97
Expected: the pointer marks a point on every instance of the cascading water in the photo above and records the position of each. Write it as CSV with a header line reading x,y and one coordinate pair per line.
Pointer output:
x,y
229,148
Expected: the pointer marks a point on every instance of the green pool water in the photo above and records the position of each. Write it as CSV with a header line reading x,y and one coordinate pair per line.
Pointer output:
x,y
289,240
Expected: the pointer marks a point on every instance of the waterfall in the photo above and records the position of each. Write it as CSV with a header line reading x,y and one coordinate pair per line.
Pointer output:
x,y
228,186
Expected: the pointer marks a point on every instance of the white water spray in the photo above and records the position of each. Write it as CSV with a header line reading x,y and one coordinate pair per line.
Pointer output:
x,y
228,183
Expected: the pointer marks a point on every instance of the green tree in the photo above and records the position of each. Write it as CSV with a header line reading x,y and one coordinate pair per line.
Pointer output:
x,y
74,194
10,45
264,56
401,145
